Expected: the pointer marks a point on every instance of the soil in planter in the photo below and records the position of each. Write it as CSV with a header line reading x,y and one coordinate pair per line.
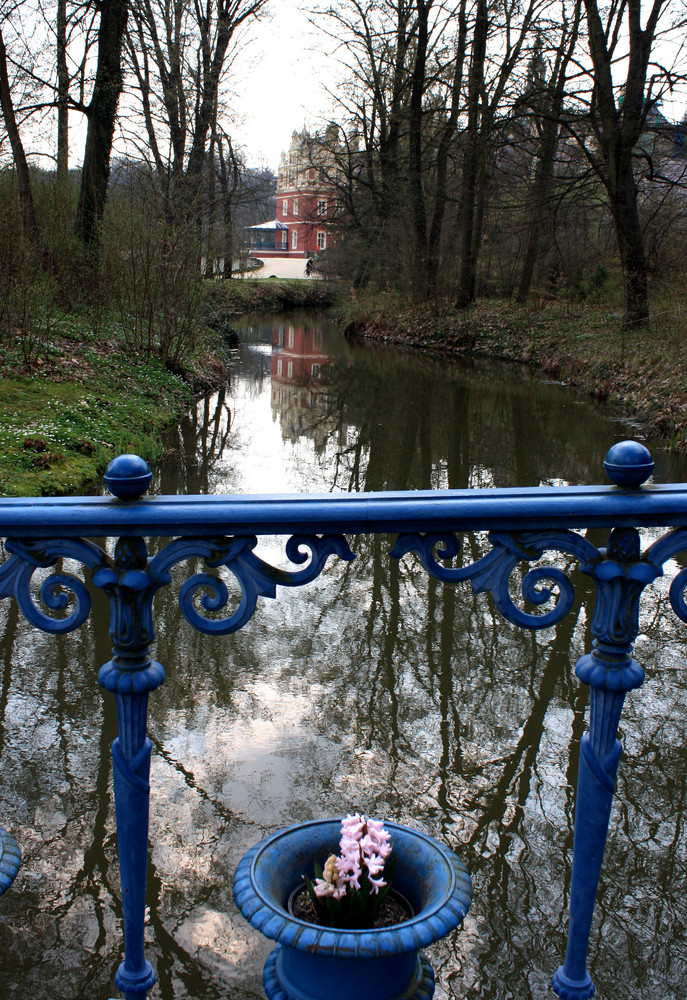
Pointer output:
x,y
394,910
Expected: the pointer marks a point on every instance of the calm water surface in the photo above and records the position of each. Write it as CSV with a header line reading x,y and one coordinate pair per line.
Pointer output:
x,y
374,688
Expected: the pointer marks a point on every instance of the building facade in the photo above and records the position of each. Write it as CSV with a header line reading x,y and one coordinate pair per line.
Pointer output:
x,y
306,203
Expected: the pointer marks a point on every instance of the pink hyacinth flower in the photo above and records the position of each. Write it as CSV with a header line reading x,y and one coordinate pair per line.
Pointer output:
x,y
376,884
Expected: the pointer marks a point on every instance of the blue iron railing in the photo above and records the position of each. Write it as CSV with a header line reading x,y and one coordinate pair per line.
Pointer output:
x,y
523,525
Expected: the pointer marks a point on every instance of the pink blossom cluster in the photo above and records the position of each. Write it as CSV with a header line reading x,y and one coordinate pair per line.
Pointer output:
x,y
365,846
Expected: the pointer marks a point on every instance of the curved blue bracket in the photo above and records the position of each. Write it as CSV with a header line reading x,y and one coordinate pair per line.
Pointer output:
x,y
526,528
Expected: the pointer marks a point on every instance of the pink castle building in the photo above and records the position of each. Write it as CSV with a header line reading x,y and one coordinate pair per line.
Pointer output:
x,y
306,204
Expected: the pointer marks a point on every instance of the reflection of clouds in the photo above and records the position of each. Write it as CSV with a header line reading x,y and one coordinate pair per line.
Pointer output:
x,y
223,945
214,939
371,688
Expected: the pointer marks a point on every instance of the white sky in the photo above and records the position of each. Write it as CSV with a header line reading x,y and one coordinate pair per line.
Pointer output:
x,y
281,78
280,82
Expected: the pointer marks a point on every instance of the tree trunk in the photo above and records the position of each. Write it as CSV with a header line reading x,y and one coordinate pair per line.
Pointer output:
x,y
548,144
23,179
540,196
468,264
391,120
416,194
206,114
631,245
62,96
618,130
228,191
447,137
102,112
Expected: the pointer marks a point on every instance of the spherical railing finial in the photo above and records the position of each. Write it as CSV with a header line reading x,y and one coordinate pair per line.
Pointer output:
x,y
628,464
128,477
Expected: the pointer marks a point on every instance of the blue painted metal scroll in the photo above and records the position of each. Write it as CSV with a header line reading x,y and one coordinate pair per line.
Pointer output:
x,y
524,525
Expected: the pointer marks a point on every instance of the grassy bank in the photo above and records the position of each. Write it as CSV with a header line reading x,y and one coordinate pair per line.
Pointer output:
x,y
76,394
81,400
643,373
240,296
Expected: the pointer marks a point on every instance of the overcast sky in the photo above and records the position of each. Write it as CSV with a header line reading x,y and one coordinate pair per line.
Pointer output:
x,y
281,76
280,83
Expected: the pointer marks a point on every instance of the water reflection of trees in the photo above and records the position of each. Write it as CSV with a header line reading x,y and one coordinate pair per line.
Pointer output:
x,y
195,447
373,688
428,412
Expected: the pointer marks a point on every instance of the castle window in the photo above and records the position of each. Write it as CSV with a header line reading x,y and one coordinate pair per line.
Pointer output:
x,y
321,240
295,206
285,207
294,240
322,207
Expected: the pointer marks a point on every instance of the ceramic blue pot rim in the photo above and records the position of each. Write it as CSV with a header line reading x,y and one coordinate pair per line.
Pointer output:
x,y
428,874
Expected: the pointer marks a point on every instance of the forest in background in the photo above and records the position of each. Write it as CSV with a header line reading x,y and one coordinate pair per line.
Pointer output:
x,y
513,149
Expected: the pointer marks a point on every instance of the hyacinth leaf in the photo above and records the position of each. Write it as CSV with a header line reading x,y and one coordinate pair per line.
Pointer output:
x,y
316,901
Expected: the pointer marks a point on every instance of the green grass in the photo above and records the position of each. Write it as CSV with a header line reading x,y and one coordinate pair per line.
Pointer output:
x,y
60,427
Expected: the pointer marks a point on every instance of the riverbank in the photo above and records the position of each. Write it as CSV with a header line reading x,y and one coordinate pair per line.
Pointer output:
x,y
642,373
76,393
80,400
242,295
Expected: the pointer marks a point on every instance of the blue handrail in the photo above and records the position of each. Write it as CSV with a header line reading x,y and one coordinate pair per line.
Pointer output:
x,y
522,524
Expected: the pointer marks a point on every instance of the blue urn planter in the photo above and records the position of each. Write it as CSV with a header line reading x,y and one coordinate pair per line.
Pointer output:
x,y
312,962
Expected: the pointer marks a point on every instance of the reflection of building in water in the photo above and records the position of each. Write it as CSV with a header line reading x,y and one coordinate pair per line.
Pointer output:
x,y
300,394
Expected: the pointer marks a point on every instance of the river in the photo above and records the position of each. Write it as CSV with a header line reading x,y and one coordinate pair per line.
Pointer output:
x,y
374,688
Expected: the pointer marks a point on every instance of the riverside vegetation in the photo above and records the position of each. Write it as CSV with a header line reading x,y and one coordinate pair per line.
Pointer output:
x,y
584,344
77,390
80,387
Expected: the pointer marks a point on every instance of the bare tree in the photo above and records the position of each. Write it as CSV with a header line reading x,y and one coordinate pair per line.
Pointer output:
x,y
101,113
618,117
487,94
544,105
29,221
178,52
377,42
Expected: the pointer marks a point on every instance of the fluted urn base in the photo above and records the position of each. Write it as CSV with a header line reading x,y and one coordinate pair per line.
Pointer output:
x,y
369,978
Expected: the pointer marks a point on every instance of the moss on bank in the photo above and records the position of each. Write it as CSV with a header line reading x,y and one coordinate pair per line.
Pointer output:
x,y
643,372
73,398
80,399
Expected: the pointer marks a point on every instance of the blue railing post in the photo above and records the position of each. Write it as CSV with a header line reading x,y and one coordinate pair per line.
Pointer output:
x,y
524,525
130,675
610,671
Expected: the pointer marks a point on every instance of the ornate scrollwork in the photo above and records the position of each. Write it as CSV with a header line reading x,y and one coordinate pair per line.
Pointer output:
x,y
658,553
58,589
432,546
255,577
492,572
132,579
